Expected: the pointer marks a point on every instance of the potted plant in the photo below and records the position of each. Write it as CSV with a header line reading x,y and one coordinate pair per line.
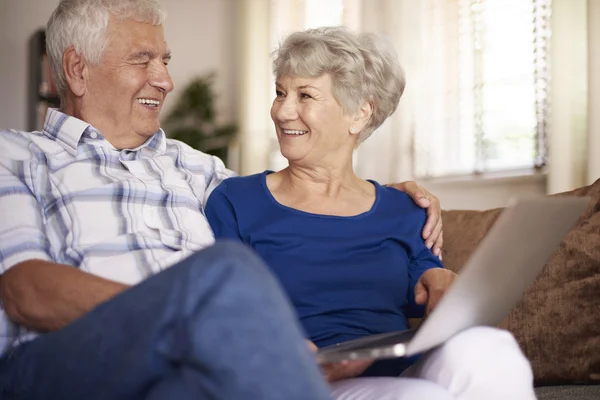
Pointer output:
x,y
192,119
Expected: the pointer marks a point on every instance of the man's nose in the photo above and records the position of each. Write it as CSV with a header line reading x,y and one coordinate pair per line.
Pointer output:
x,y
161,78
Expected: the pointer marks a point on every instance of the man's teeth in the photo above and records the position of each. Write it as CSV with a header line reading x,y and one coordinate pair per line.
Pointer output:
x,y
293,132
149,102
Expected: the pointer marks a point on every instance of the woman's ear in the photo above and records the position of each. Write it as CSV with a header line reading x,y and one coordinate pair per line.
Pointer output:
x,y
75,69
362,118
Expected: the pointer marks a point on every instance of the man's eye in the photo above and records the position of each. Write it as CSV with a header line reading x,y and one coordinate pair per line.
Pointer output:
x,y
279,93
305,96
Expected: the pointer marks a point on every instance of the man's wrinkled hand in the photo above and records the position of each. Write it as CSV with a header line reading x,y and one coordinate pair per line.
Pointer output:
x,y
432,285
432,232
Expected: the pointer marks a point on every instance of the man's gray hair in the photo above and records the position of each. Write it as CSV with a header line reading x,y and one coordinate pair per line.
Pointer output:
x,y
363,67
83,24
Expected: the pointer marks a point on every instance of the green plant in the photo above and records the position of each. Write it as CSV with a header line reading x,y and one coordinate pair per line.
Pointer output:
x,y
193,119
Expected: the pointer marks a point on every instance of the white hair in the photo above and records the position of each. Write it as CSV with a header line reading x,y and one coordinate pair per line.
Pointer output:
x,y
83,24
363,67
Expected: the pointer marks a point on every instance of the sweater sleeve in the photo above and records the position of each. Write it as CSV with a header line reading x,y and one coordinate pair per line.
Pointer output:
x,y
221,214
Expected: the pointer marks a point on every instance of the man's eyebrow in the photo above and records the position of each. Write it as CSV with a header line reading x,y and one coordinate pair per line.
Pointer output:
x,y
141,54
145,54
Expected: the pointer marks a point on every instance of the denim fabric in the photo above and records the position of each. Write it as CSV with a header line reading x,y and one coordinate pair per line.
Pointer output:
x,y
214,326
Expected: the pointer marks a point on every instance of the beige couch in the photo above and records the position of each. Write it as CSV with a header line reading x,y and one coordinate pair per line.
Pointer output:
x,y
557,323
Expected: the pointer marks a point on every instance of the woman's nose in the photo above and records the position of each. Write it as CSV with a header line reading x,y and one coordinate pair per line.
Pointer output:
x,y
287,110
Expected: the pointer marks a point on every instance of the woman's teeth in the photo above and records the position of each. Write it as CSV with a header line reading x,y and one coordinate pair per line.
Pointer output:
x,y
294,132
149,102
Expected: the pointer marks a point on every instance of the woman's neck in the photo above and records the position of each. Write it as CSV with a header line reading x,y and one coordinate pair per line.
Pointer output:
x,y
326,182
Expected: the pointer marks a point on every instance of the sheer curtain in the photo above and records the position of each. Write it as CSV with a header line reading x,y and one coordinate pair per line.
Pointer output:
x,y
440,127
477,95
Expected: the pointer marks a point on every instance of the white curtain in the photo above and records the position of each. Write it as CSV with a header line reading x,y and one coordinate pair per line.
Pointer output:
x,y
568,135
386,156
594,91
573,134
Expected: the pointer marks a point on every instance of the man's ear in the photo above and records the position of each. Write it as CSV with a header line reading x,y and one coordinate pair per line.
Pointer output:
x,y
75,70
362,117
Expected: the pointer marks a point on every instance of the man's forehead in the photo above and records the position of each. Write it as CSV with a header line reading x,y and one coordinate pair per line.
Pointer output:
x,y
136,37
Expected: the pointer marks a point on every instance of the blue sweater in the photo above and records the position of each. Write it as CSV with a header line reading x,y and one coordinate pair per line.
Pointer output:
x,y
346,276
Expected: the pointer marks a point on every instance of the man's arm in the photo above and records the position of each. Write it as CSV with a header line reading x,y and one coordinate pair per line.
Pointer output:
x,y
36,292
45,296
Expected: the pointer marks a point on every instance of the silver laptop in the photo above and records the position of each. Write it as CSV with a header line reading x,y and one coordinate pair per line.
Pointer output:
x,y
500,270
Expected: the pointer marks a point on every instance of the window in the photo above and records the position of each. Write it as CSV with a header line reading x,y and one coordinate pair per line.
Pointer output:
x,y
483,87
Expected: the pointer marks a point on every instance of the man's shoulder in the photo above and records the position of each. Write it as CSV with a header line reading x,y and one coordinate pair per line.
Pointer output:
x,y
21,145
16,136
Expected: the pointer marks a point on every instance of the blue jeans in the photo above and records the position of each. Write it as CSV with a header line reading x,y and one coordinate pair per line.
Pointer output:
x,y
215,326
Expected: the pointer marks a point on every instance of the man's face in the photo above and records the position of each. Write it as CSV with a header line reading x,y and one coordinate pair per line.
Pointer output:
x,y
126,91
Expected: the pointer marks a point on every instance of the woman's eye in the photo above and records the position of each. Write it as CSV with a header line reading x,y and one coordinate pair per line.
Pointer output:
x,y
279,93
305,96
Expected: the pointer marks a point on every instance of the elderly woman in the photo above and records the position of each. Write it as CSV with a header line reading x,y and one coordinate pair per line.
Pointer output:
x,y
348,251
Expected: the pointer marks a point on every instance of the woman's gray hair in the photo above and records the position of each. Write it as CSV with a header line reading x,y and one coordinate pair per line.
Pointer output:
x,y
363,67
83,23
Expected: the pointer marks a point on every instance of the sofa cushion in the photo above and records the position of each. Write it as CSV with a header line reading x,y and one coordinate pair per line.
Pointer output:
x,y
557,323
569,392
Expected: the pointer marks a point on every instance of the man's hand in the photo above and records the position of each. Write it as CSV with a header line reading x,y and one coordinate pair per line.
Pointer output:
x,y
341,370
432,285
432,232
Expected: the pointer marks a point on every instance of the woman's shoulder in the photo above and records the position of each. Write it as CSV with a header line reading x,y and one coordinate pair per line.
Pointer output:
x,y
398,202
240,183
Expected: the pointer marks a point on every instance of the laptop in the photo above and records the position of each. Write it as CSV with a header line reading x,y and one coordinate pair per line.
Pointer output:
x,y
503,266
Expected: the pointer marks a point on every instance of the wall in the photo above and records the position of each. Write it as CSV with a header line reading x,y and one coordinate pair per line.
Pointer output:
x,y
201,34
489,192
18,20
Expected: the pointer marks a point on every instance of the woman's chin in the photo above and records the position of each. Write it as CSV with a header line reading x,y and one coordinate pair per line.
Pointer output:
x,y
293,156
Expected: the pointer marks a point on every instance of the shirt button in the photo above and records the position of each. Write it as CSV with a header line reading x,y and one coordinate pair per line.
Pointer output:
x,y
93,135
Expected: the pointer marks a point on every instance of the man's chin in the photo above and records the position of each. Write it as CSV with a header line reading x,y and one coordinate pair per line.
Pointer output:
x,y
148,130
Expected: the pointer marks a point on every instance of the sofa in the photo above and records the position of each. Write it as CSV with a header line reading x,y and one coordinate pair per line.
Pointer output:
x,y
557,322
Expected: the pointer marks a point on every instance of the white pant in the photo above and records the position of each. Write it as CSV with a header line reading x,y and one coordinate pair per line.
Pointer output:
x,y
478,364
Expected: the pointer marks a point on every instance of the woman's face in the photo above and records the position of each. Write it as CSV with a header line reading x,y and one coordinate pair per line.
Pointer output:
x,y
311,126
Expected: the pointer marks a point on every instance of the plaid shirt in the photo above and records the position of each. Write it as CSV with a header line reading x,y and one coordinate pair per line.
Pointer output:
x,y
69,197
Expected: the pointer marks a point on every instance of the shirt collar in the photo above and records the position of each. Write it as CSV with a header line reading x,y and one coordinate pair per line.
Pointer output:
x,y
68,132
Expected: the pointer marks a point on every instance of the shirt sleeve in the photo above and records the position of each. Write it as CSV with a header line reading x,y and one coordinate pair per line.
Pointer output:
x,y
22,233
421,260
220,173
221,215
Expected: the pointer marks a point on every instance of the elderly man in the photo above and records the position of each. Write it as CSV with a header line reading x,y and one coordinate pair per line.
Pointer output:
x,y
152,308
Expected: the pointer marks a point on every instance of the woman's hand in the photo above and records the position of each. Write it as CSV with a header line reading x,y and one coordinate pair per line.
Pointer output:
x,y
432,285
432,232
342,370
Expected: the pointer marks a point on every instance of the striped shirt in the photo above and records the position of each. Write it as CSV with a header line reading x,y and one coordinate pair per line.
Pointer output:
x,y
69,197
